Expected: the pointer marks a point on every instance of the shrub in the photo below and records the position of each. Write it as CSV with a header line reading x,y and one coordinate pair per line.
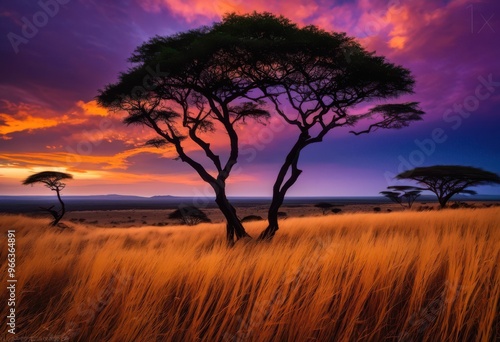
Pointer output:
x,y
251,218
189,215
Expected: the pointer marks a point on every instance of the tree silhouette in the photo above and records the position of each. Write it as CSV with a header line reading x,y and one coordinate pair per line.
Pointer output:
x,y
324,206
403,193
189,215
448,180
251,218
184,87
313,79
213,78
52,180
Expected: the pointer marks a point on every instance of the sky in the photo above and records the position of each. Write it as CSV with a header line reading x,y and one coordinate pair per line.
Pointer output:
x,y
57,54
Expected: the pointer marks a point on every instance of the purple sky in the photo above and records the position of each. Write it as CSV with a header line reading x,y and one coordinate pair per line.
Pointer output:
x,y
57,54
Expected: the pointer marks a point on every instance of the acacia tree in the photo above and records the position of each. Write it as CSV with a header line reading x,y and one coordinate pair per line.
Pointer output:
x,y
215,77
185,87
313,79
448,180
52,180
189,215
400,193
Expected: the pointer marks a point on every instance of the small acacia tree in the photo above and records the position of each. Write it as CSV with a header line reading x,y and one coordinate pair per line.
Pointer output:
x,y
52,180
448,180
189,215
404,195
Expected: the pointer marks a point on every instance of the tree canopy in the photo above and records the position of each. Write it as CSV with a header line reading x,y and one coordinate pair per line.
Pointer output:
x,y
51,179
448,180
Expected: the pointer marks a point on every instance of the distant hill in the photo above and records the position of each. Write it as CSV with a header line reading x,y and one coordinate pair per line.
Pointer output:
x,y
20,204
23,204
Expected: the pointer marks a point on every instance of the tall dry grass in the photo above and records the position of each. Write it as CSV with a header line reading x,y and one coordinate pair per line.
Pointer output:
x,y
430,276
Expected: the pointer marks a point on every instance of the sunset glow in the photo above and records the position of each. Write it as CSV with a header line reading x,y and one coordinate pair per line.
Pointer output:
x,y
49,119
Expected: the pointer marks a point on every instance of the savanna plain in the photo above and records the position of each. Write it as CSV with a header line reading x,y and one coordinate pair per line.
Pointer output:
x,y
393,276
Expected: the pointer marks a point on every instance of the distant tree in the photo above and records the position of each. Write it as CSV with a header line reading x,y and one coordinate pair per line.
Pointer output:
x,y
189,215
336,210
52,180
251,218
404,195
448,180
324,206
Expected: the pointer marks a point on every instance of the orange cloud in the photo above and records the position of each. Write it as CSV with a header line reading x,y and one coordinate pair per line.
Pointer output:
x,y
75,161
399,18
25,117
397,42
297,10
15,173
92,108
24,122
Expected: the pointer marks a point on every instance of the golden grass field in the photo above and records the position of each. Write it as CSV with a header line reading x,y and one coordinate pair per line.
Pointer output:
x,y
400,276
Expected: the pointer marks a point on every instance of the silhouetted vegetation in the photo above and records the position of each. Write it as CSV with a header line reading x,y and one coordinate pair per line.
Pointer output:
x,y
313,78
324,206
404,195
189,215
186,85
251,218
459,205
448,180
52,180
336,210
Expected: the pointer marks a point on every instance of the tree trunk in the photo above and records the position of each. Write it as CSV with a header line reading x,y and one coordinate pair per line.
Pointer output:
x,y
63,209
444,198
281,186
234,228
272,219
